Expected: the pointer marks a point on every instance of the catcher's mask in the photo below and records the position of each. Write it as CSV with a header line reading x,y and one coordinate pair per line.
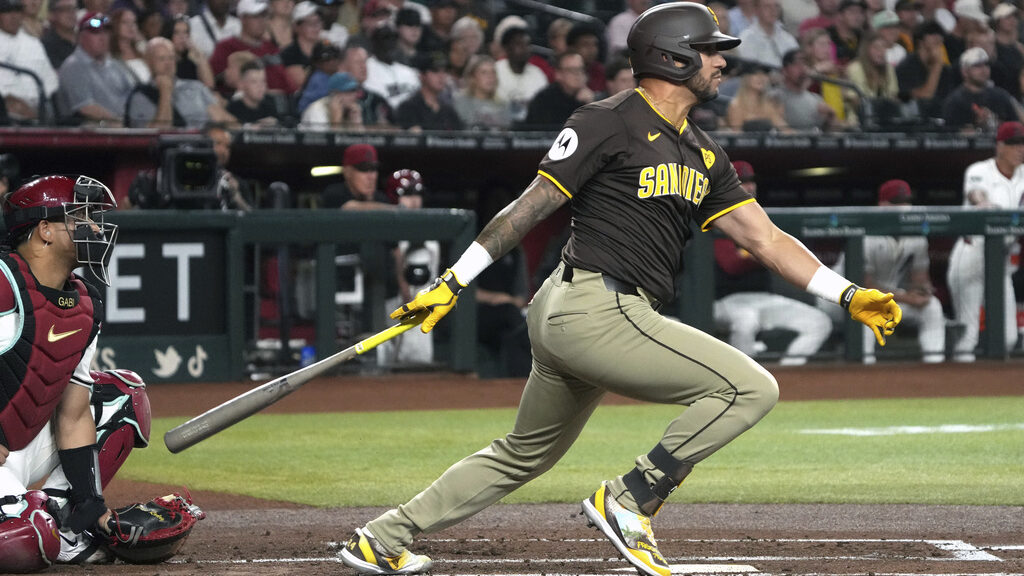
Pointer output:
x,y
80,202
671,33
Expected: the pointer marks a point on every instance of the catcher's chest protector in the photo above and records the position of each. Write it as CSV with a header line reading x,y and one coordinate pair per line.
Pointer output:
x,y
57,327
28,536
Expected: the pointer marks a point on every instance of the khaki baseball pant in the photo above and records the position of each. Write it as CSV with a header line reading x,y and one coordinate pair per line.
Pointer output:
x,y
588,341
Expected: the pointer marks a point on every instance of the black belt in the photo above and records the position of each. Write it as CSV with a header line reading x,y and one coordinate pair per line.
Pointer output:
x,y
611,284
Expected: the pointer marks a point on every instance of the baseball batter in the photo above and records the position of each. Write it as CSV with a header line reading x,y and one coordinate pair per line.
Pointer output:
x,y
994,183
637,174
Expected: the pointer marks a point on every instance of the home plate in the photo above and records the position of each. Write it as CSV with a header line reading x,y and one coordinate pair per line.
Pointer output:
x,y
702,568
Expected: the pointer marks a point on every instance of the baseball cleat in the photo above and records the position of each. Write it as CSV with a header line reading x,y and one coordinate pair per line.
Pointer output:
x,y
81,549
364,553
630,533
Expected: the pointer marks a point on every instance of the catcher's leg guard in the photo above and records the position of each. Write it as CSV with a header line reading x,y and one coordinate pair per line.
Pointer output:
x,y
28,535
650,496
122,414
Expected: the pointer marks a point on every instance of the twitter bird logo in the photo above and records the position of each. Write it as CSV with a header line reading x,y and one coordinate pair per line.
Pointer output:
x,y
167,362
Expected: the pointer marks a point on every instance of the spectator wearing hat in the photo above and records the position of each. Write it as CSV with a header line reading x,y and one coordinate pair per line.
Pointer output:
x,y
909,14
847,28
970,19
339,109
553,105
477,103
900,265
801,108
252,38
168,101
1009,48
977,106
92,87
886,24
254,107
924,76
377,113
994,183
334,31
359,191
59,36
618,27
427,109
213,24
385,76
324,61
373,15
297,57
437,32
17,47
766,40
518,80
281,23
559,28
746,307
409,27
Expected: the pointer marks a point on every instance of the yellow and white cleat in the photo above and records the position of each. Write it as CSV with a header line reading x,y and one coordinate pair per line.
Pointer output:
x,y
630,532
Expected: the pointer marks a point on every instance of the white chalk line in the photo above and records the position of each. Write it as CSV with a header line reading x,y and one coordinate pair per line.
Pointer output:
x,y
900,430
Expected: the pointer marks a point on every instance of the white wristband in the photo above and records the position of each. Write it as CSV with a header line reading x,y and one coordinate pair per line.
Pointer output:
x,y
828,285
473,261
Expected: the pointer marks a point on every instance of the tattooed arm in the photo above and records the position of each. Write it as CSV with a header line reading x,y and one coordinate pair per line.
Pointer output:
x,y
509,226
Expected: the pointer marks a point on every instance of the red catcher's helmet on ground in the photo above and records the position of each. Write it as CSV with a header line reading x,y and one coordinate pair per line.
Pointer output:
x,y
403,182
79,201
674,32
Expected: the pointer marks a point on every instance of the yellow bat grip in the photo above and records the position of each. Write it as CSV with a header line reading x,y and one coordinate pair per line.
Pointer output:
x,y
379,338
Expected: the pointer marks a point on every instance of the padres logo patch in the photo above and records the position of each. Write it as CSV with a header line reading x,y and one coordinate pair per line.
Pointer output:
x,y
709,158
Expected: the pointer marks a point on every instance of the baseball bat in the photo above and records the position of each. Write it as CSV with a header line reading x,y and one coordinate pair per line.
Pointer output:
x,y
241,407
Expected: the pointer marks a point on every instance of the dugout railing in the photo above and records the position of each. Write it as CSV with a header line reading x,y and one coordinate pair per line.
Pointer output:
x,y
177,309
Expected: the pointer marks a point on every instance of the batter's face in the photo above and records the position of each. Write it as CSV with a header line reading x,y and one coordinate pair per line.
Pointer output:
x,y
704,84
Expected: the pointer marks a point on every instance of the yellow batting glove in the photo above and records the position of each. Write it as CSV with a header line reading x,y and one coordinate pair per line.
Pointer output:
x,y
874,309
438,298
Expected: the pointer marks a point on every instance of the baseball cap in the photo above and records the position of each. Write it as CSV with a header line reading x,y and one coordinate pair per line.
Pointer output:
x,y
324,51
10,5
93,22
342,82
362,157
907,5
251,7
303,10
432,62
744,170
408,17
1010,133
844,4
971,9
884,19
1003,10
895,192
973,57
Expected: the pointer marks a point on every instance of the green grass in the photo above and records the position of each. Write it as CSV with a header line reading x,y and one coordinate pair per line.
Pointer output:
x,y
385,458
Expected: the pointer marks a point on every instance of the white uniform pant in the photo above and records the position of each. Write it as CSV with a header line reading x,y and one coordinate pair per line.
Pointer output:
x,y
966,278
744,314
31,464
931,331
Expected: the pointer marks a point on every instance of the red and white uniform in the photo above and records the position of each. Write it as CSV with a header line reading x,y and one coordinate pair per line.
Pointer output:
x,y
33,350
966,274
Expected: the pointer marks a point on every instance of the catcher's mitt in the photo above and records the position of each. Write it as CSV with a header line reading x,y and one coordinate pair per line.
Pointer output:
x,y
152,532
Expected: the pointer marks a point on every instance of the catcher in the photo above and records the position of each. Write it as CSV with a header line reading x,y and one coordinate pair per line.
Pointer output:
x,y
59,421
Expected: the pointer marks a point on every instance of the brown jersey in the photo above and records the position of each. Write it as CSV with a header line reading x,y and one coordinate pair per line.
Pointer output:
x,y
636,182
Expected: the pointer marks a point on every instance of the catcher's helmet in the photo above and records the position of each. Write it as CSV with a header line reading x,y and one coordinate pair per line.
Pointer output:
x,y
404,182
79,201
668,33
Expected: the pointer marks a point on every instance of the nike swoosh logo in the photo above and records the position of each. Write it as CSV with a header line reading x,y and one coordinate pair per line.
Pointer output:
x,y
67,540
53,337
653,137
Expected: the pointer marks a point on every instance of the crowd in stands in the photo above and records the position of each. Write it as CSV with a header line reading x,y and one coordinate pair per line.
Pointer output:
x,y
472,64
